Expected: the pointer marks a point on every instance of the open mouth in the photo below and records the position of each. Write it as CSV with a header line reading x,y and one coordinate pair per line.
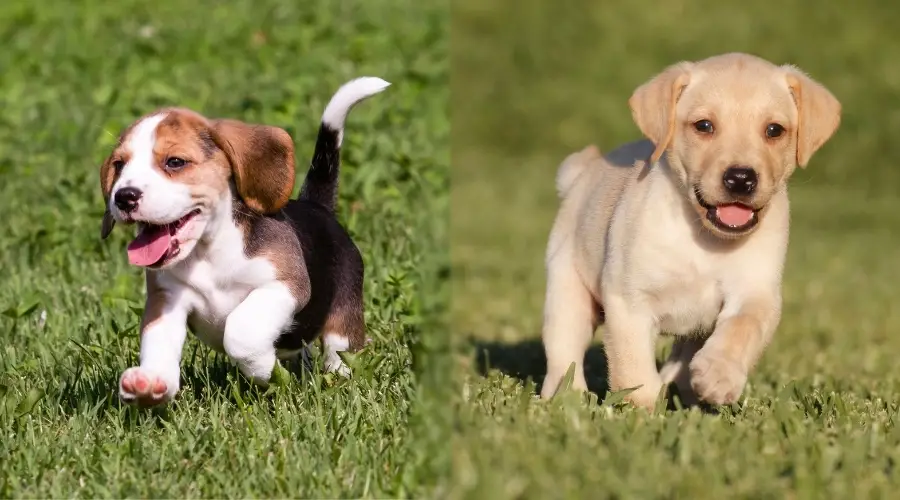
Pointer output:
x,y
732,217
157,244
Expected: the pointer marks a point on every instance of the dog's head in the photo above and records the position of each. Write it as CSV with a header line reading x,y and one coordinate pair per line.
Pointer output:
x,y
734,127
175,173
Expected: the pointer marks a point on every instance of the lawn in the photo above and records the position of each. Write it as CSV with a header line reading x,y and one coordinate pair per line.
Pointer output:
x,y
72,75
532,81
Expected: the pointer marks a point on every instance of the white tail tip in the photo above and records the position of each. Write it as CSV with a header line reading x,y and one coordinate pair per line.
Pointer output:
x,y
347,96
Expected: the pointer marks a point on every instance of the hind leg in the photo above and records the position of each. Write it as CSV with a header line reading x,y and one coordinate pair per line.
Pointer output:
x,y
345,324
570,318
345,330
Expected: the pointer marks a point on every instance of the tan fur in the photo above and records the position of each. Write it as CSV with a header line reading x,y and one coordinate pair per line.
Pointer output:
x,y
343,322
264,239
632,239
819,114
188,135
653,106
284,255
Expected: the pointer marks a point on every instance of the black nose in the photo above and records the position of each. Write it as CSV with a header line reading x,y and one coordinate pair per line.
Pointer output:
x,y
740,180
126,199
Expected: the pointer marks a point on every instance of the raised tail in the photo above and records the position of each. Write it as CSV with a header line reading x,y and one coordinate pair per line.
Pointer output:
x,y
572,167
321,181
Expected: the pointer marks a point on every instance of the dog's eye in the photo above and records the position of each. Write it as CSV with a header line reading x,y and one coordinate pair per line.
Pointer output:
x,y
704,127
774,130
118,165
175,163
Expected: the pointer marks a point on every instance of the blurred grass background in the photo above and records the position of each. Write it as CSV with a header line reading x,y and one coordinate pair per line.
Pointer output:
x,y
533,81
72,75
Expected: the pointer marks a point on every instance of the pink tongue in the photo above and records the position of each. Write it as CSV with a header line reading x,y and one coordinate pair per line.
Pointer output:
x,y
149,246
734,215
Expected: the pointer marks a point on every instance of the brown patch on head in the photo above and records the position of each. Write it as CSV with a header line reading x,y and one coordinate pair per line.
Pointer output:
x,y
181,134
187,136
262,161
260,158
733,112
204,155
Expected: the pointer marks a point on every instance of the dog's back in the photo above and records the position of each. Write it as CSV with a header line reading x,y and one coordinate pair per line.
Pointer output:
x,y
335,269
590,186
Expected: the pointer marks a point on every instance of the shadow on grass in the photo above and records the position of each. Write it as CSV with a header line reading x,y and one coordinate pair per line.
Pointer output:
x,y
525,360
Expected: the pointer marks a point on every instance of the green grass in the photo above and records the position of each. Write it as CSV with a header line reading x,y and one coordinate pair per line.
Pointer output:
x,y
71,77
532,81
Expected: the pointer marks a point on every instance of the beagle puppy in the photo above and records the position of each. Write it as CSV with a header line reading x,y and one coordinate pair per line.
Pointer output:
x,y
253,273
685,232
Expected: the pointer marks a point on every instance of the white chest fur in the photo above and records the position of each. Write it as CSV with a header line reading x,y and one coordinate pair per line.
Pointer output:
x,y
681,287
213,281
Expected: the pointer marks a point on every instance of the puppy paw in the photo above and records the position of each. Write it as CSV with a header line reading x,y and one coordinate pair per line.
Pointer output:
x,y
716,378
644,397
335,343
334,364
555,379
145,388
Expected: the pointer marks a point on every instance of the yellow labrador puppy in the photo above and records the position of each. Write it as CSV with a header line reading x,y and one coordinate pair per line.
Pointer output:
x,y
684,233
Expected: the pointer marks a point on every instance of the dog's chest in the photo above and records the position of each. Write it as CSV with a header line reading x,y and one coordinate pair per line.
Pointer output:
x,y
682,286
211,309
685,300
213,292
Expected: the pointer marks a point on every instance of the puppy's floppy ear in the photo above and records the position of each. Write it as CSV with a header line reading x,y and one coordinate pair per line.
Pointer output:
x,y
107,179
107,225
262,162
653,105
818,113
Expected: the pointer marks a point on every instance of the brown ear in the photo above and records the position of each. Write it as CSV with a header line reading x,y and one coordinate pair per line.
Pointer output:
x,y
107,179
262,162
818,113
653,105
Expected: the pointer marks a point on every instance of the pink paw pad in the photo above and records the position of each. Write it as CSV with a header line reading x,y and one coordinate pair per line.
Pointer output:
x,y
139,387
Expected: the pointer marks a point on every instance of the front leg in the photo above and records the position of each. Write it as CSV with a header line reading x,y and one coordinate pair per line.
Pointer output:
x,y
163,332
255,324
719,370
629,339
